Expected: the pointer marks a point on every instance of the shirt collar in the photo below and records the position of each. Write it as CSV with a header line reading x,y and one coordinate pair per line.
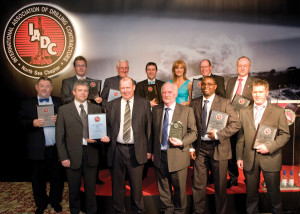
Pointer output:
x,y
78,103
78,77
244,78
172,107
264,104
130,101
210,99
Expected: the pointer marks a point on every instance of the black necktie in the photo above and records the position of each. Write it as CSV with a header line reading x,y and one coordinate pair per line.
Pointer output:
x,y
164,134
204,117
84,119
127,123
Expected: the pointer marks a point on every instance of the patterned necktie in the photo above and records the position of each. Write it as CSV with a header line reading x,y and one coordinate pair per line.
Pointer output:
x,y
164,134
127,123
151,82
240,86
258,113
204,117
84,119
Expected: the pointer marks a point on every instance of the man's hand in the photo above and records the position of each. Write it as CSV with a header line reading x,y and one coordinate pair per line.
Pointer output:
x,y
98,100
211,135
105,139
240,164
90,140
193,155
175,142
262,149
153,103
53,118
38,122
152,158
149,156
66,163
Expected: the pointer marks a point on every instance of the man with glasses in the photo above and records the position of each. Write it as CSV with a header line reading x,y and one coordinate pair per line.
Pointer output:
x,y
80,66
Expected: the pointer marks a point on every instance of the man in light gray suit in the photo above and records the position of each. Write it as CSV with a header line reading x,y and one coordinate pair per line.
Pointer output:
x,y
129,128
171,155
267,156
76,151
213,149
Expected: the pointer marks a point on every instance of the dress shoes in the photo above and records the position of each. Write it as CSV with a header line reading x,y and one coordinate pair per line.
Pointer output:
x,y
231,183
57,207
40,210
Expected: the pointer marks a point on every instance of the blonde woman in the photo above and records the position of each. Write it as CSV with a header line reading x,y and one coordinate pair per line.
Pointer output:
x,y
183,84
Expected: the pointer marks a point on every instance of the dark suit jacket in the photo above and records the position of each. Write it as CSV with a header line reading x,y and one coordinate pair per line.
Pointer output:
x,y
247,93
273,116
35,135
140,88
69,135
141,125
178,157
223,150
220,85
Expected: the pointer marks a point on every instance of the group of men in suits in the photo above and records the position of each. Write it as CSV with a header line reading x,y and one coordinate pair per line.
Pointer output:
x,y
139,129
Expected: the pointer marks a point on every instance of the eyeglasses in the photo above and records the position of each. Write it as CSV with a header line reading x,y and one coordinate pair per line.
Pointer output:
x,y
207,84
80,66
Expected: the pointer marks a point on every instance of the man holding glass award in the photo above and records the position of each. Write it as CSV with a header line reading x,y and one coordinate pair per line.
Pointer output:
x,y
76,150
212,147
174,130
38,117
258,149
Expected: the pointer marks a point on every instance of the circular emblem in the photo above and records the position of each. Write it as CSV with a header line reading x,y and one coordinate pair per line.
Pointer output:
x,y
93,84
116,93
45,110
290,116
39,40
150,89
267,131
97,119
199,84
176,126
219,116
241,101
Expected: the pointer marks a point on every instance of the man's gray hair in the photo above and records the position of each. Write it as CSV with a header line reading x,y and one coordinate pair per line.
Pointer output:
x,y
80,82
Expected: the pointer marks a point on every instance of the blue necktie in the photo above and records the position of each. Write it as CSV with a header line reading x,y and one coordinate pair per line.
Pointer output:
x,y
151,82
164,134
204,117
44,100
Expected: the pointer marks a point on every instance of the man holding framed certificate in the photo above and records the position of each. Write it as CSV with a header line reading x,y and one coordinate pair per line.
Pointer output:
x,y
266,156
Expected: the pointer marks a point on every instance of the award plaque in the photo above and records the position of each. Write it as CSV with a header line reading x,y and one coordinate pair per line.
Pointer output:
x,y
46,112
264,135
239,102
113,94
151,92
94,88
196,89
176,130
97,126
217,121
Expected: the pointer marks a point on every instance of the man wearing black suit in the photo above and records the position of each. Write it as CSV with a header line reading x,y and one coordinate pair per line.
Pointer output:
x,y
151,71
76,151
122,69
212,149
244,81
129,128
205,69
80,66
171,155
41,148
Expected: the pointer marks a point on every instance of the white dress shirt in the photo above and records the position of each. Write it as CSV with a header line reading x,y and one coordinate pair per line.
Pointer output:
x,y
237,84
260,113
120,135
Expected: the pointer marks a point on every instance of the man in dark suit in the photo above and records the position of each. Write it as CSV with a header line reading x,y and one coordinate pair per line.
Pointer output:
x,y
80,66
205,69
129,128
76,151
122,69
238,85
151,71
41,148
213,149
171,155
267,156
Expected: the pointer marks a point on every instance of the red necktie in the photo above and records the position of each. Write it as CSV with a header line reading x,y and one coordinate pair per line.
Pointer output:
x,y
240,86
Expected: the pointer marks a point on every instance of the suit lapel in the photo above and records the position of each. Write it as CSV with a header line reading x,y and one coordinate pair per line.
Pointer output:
x,y
176,114
160,111
74,112
250,113
232,88
266,114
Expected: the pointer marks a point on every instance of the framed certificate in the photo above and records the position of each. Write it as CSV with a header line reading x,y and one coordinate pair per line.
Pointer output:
x,y
151,92
46,112
239,102
97,126
196,89
264,135
113,94
94,88
217,121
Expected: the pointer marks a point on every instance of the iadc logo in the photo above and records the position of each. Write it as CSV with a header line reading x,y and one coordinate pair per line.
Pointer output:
x,y
39,40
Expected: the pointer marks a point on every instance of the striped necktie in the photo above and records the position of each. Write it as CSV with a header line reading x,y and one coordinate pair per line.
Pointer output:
x,y
127,123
